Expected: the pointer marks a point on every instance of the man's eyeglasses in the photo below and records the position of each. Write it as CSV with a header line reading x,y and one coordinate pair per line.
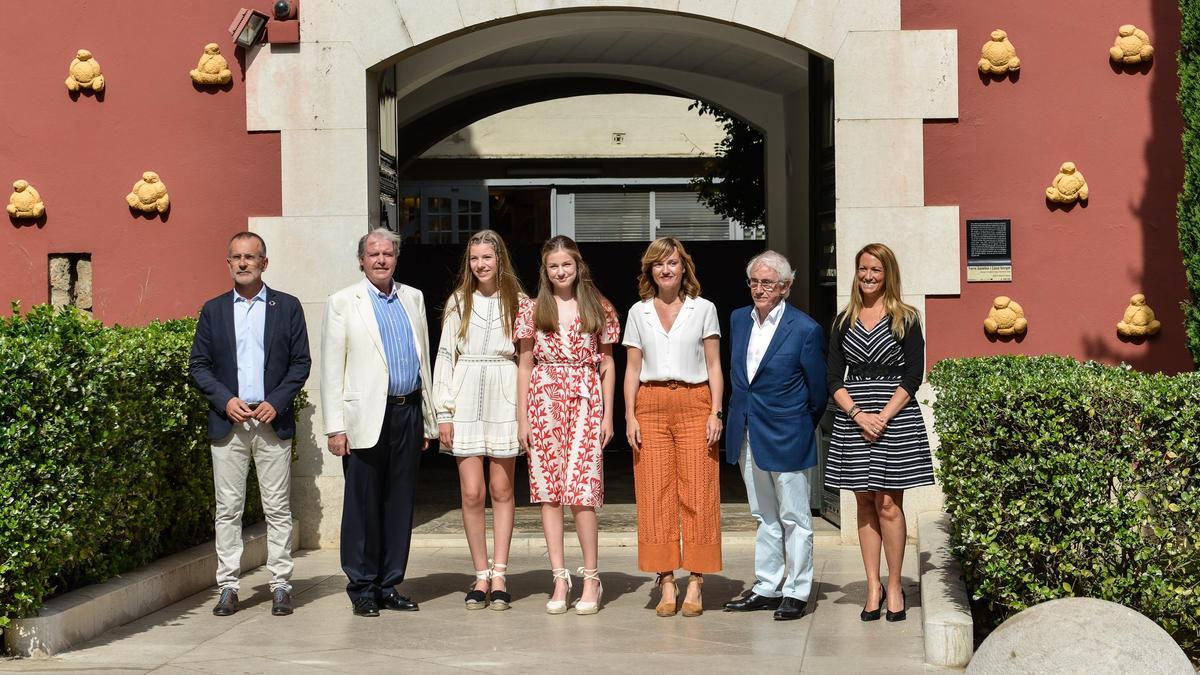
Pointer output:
x,y
248,257
763,284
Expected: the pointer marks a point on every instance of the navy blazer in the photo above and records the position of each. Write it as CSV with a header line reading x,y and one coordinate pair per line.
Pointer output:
x,y
783,404
213,364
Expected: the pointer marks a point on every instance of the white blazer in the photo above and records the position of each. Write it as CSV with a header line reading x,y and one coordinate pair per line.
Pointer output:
x,y
354,371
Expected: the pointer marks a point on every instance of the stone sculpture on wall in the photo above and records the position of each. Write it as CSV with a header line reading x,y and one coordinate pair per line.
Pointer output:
x,y
149,195
1068,186
84,73
25,202
213,69
1139,319
998,55
1005,318
1131,46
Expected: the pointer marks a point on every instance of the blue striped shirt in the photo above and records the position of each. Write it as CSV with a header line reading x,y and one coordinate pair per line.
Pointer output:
x,y
249,327
399,342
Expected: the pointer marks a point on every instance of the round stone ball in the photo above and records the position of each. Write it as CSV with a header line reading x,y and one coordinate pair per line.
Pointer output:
x,y
1079,635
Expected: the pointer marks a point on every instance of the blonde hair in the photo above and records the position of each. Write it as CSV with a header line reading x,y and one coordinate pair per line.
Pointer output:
x,y
659,250
894,306
591,303
507,283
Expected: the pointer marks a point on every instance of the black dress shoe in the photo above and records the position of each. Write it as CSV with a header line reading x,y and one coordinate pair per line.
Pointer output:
x,y
227,604
791,609
398,602
281,602
873,615
902,614
366,607
752,602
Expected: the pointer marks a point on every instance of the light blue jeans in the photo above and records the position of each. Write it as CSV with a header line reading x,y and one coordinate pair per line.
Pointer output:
x,y
783,546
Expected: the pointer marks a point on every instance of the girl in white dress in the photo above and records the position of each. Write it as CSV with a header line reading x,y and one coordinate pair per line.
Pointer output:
x,y
474,396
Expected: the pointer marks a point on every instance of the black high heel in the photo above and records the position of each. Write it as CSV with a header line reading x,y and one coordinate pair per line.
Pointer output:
x,y
873,615
902,614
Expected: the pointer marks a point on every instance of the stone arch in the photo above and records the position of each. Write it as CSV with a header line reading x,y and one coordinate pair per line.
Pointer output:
x,y
319,97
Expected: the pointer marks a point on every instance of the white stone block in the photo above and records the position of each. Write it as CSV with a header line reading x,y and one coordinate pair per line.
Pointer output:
x,y
925,240
427,20
315,86
769,16
482,11
324,172
311,258
897,74
817,25
373,27
945,609
717,9
880,162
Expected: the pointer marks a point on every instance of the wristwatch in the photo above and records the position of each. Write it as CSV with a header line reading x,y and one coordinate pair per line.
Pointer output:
x,y
720,414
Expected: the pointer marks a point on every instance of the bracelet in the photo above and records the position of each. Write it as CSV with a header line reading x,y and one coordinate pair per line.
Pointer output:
x,y
854,410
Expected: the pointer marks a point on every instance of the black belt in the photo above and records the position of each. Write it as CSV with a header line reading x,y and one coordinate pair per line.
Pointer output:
x,y
408,399
875,370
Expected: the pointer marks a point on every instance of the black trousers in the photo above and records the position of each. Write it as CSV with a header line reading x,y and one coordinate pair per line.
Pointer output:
x,y
378,511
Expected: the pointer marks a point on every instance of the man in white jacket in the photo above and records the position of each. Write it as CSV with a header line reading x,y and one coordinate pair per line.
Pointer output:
x,y
375,384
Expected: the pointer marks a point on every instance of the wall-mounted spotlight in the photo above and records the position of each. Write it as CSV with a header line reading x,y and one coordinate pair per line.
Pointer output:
x,y
247,28
285,10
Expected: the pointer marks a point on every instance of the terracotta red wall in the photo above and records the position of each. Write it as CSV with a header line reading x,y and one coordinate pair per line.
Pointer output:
x,y
85,155
1073,271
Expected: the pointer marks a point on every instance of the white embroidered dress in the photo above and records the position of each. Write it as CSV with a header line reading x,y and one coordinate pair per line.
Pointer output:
x,y
475,382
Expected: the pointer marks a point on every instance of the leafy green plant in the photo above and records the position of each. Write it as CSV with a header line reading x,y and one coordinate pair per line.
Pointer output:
x,y
104,460
1189,199
733,184
1071,479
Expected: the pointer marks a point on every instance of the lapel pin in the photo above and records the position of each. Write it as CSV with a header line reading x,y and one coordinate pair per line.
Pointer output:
x,y
271,303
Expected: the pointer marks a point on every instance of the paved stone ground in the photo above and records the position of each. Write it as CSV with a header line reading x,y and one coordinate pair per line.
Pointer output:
x,y
626,636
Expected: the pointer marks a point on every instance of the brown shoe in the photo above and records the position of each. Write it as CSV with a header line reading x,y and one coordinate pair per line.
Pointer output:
x,y
664,608
227,604
691,609
281,602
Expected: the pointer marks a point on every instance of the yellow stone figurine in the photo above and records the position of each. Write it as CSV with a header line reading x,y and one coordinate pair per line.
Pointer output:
x,y
149,195
25,202
1005,317
84,73
1139,319
1068,185
998,55
213,68
1131,46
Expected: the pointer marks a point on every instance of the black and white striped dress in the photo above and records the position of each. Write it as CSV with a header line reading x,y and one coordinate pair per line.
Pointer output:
x,y
900,458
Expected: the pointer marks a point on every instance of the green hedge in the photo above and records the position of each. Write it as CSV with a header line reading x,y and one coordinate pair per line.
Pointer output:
x,y
1189,199
1069,479
104,460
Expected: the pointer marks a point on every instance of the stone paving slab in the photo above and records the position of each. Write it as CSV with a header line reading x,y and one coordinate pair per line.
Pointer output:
x,y
626,636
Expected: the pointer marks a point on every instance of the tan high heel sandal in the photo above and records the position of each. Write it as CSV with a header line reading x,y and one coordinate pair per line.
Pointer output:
x,y
695,609
559,606
664,608
583,607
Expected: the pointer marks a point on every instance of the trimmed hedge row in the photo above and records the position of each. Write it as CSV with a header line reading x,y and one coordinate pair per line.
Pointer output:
x,y
1073,479
1189,199
104,460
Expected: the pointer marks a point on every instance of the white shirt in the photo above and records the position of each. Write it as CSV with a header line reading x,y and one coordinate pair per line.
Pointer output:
x,y
760,337
678,354
249,326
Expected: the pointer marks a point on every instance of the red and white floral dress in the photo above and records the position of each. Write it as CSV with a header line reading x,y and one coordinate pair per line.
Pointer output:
x,y
566,409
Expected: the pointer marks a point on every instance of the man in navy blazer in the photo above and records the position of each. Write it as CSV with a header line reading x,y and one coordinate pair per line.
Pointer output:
x,y
778,396
250,358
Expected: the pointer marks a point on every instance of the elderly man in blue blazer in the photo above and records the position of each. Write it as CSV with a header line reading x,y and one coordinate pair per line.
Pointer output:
x,y
249,359
779,394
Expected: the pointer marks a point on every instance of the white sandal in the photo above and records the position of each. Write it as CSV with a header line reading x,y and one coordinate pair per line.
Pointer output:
x,y
559,606
501,600
582,607
477,599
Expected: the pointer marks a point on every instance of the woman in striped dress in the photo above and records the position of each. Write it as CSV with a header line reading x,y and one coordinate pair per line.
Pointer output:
x,y
879,447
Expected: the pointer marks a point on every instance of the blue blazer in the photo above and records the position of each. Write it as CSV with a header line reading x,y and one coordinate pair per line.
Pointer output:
x,y
213,364
782,405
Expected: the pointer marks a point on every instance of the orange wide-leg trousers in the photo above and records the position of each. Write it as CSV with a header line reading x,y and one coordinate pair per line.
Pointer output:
x,y
677,480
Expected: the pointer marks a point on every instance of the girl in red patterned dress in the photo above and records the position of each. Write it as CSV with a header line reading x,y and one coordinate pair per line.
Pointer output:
x,y
565,383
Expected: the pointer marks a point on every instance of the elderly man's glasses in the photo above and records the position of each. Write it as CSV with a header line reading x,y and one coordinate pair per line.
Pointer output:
x,y
764,284
248,257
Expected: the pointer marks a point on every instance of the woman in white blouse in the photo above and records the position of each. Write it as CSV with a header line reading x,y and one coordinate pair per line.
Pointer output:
x,y
673,390
475,398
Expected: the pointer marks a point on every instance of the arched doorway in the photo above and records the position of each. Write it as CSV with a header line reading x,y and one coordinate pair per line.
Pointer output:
x,y
323,98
